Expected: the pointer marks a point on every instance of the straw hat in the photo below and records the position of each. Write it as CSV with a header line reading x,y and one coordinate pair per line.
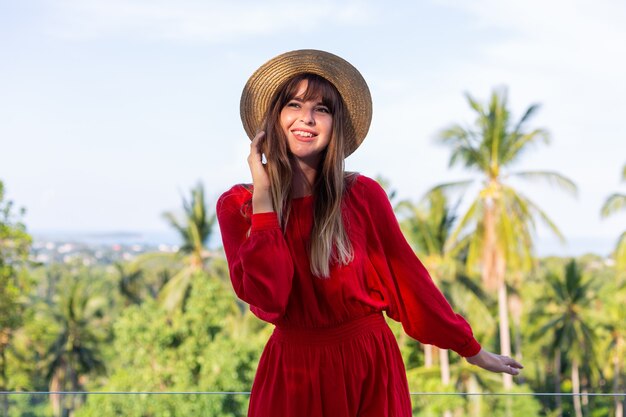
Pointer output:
x,y
265,82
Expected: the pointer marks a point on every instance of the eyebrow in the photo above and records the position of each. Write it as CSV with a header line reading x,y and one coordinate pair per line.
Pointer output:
x,y
299,99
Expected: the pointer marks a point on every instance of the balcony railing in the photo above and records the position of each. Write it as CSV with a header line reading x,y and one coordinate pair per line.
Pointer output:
x,y
220,403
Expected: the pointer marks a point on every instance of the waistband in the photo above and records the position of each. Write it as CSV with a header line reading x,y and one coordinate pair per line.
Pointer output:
x,y
333,334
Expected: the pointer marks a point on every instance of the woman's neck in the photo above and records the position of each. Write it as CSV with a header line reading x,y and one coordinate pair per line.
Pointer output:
x,y
303,179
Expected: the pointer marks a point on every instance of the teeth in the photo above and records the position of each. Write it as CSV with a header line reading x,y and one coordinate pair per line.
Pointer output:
x,y
304,134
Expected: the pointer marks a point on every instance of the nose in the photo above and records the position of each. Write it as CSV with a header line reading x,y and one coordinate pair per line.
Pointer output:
x,y
306,116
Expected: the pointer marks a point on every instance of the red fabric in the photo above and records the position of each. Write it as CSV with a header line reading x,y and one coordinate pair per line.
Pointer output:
x,y
270,271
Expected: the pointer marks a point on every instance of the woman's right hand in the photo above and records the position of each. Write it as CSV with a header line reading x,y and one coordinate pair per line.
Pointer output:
x,y
495,363
261,196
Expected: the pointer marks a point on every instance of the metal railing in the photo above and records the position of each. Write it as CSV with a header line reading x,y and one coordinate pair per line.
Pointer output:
x,y
234,403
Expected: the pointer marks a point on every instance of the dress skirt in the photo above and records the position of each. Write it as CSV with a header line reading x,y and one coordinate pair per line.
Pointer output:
x,y
351,370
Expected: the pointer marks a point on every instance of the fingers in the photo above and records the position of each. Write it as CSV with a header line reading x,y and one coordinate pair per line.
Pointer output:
x,y
255,146
496,363
512,362
510,366
510,370
255,161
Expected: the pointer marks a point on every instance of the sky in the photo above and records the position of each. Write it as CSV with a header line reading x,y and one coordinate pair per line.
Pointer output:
x,y
111,111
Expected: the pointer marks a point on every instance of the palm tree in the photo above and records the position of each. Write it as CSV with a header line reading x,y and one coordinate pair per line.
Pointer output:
x,y
195,231
616,310
500,220
565,323
614,203
613,299
617,202
129,284
196,227
75,349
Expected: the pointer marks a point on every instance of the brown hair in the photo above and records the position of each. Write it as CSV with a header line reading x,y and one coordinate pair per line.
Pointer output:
x,y
329,241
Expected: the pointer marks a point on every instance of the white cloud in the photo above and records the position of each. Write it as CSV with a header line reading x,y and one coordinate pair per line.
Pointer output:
x,y
204,21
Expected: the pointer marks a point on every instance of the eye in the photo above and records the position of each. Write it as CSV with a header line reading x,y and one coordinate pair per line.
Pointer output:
x,y
323,109
293,104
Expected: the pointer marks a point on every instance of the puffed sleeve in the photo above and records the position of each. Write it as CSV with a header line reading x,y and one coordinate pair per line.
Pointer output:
x,y
259,261
412,297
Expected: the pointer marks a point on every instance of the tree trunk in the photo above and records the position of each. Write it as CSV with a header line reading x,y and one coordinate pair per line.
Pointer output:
x,y
428,356
557,382
490,250
494,268
576,389
516,307
197,262
55,399
444,365
75,388
505,341
617,373
475,400
4,386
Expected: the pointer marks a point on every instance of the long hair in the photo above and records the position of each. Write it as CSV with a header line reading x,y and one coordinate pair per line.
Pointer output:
x,y
329,241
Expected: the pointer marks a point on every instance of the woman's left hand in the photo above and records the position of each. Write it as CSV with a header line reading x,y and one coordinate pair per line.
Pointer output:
x,y
495,363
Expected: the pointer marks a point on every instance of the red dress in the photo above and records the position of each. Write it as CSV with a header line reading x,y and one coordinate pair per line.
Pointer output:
x,y
331,353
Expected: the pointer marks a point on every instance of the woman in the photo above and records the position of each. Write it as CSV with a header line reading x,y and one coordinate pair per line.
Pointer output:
x,y
318,252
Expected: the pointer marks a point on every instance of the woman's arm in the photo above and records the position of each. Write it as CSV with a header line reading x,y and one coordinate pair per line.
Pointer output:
x,y
259,261
415,300
411,295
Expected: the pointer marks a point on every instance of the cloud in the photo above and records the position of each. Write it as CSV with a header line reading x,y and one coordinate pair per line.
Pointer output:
x,y
200,21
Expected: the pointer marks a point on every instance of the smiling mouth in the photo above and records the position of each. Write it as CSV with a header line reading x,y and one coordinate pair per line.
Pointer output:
x,y
303,134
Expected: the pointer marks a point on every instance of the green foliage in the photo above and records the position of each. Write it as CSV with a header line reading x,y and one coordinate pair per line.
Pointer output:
x,y
433,405
519,405
565,313
210,346
14,286
615,203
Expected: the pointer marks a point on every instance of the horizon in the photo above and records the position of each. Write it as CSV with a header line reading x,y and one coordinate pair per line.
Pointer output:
x,y
544,247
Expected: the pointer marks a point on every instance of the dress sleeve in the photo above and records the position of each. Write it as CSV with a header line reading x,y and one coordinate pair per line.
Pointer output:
x,y
259,261
413,299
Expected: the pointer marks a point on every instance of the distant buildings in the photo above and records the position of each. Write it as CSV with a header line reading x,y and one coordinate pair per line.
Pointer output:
x,y
91,253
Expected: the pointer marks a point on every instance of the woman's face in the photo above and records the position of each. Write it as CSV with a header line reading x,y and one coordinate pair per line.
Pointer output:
x,y
308,126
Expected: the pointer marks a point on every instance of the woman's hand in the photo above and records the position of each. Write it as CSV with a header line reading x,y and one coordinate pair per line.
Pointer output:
x,y
495,363
261,197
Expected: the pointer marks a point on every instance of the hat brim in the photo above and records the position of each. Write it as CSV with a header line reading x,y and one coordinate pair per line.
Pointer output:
x,y
265,82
